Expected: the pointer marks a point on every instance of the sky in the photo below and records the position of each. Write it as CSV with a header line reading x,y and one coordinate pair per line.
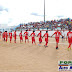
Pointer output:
x,y
14,12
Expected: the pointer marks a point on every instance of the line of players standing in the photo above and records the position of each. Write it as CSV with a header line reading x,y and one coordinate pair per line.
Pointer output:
x,y
46,35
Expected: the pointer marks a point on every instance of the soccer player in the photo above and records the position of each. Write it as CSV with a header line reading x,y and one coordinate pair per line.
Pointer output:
x,y
6,36
26,36
10,36
14,36
46,38
21,38
69,36
33,37
40,38
63,37
0,34
57,35
3,36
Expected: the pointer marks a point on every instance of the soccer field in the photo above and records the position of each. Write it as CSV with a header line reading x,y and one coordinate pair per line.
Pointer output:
x,y
32,58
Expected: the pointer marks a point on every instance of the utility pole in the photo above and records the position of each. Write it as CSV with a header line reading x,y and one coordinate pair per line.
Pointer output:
x,y
44,11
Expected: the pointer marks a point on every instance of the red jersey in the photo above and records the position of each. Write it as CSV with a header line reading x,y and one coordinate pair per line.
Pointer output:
x,y
33,35
10,34
0,33
57,34
69,34
3,35
46,35
14,34
6,34
20,34
39,35
26,33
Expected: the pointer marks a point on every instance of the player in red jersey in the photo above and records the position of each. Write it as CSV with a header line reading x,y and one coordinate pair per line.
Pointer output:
x,y
26,36
14,36
33,37
3,36
46,38
0,34
6,36
69,36
57,35
21,38
10,36
40,38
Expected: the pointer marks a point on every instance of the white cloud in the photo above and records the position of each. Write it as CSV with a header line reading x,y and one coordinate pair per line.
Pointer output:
x,y
20,10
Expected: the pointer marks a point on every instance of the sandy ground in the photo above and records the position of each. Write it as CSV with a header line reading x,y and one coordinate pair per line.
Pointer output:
x,y
32,58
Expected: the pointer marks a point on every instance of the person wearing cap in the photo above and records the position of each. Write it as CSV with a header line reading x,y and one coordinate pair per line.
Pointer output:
x,y
57,36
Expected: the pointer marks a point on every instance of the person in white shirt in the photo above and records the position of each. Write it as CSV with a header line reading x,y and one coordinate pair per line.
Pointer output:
x,y
63,33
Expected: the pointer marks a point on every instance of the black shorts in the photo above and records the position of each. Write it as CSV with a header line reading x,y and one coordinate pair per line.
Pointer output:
x,y
62,37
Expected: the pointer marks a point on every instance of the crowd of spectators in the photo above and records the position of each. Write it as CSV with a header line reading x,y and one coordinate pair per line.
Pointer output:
x,y
48,25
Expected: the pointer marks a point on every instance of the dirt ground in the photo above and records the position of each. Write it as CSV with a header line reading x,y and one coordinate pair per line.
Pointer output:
x,y
32,58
